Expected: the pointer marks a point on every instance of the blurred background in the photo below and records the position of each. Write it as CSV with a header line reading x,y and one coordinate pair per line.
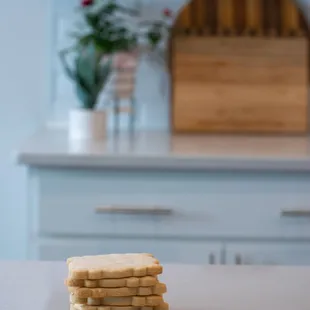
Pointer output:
x,y
218,168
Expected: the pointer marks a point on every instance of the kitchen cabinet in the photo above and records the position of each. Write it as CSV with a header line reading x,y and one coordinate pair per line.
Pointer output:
x,y
173,196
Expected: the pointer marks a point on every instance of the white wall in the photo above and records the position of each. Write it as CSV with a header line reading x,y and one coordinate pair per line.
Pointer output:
x,y
23,101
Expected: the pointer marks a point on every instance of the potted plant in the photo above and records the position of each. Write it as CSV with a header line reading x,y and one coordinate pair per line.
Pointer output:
x,y
108,28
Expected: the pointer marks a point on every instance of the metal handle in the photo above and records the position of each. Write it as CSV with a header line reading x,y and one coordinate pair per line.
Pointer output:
x,y
211,259
133,210
295,213
238,259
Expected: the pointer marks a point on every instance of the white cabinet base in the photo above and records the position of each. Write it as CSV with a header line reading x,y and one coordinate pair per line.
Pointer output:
x,y
95,211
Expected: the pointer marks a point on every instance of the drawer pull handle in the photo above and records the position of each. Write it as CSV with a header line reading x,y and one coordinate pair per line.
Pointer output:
x,y
238,259
211,259
296,213
136,211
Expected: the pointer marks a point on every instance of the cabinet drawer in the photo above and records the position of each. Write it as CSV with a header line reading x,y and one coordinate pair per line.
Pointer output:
x,y
160,205
201,253
166,204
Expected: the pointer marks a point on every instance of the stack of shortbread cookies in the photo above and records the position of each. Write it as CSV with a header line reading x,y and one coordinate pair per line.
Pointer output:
x,y
116,282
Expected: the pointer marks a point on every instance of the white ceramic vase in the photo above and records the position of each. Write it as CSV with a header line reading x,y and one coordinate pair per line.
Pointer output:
x,y
87,124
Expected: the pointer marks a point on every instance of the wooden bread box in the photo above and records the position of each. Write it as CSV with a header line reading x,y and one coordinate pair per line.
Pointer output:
x,y
240,66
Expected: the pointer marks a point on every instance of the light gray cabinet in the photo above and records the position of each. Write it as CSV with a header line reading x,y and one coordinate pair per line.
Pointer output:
x,y
151,194
182,217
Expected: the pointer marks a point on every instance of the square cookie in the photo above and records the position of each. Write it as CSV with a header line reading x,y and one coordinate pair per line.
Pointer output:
x,y
81,292
163,306
113,266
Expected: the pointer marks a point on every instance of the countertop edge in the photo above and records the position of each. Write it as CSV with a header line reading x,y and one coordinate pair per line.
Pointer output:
x,y
176,163
163,151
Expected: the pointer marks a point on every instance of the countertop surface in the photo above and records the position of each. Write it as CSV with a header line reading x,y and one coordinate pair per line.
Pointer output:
x,y
40,286
153,150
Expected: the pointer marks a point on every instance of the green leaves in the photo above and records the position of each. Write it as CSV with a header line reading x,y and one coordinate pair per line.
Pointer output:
x,y
102,75
108,28
112,7
92,20
87,101
86,40
154,37
109,8
88,74
107,32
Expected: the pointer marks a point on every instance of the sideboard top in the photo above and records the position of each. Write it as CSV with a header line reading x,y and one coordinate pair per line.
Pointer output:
x,y
160,150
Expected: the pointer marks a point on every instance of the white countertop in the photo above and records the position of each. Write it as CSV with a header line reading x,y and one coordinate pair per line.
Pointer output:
x,y
155,150
40,286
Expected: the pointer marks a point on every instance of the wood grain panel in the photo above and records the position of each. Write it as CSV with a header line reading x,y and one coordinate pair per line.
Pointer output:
x,y
226,14
234,75
200,19
240,85
290,19
270,17
212,14
243,60
237,110
239,17
240,46
185,19
239,8
253,17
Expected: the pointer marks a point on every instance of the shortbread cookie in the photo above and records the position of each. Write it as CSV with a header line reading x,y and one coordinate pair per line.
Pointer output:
x,y
113,283
81,292
163,306
140,301
113,266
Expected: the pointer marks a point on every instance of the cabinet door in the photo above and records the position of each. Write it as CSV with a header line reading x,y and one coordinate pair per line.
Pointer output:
x,y
261,253
171,251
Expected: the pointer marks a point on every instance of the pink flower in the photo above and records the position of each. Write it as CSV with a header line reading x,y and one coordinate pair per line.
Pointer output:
x,y
86,3
167,12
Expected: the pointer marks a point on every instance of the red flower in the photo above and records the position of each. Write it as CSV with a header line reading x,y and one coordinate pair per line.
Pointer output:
x,y
86,3
167,12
